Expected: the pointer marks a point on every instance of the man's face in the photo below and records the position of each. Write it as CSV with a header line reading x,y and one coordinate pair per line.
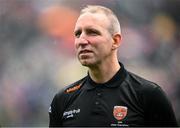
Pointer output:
x,y
93,41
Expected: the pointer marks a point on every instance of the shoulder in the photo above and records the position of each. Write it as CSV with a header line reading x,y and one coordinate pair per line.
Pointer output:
x,y
66,94
148,91
70,89
145,89
140,83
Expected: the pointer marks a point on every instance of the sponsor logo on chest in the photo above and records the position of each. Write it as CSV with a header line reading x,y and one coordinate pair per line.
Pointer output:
x,y
71,113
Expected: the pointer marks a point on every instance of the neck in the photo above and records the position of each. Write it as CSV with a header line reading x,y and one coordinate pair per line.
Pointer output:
x,y
104,71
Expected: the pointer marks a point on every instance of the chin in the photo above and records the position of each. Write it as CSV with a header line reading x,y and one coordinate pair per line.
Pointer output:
x,y
86,63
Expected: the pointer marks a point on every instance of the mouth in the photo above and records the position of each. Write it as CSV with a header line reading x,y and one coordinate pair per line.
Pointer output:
x,y
85,51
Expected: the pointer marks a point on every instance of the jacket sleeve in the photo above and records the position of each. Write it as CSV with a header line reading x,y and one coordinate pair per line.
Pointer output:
x,y
54,113
159,111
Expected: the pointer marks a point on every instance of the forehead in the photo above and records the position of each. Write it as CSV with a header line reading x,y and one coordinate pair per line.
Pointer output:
x,y
92,20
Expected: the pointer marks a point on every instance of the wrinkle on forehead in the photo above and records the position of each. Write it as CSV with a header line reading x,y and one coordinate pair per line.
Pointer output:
x,y
93,20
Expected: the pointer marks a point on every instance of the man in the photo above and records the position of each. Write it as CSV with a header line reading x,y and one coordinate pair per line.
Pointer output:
x,y
109,95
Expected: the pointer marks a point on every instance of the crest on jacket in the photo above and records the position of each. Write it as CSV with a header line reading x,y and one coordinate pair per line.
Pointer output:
x,y
120,112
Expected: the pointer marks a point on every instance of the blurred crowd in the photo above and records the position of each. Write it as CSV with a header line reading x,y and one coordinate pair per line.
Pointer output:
x,y
37,56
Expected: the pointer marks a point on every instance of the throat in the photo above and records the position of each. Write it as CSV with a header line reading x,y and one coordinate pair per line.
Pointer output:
x,y
103,75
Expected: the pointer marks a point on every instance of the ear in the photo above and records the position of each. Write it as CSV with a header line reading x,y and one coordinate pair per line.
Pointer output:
x,y
116,41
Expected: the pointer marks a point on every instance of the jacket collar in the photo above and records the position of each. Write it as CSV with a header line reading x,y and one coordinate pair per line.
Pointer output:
x,y
115,81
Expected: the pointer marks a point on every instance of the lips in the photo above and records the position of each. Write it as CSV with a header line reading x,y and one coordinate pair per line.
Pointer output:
x,y
85,51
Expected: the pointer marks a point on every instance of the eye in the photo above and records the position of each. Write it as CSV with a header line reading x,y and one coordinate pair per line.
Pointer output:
x,y
77,33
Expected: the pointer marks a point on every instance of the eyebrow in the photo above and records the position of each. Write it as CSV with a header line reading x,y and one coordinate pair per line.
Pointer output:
x,y
88,28
93,30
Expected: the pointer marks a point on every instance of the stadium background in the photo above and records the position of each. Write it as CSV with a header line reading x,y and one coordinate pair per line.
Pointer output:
x,y
37,52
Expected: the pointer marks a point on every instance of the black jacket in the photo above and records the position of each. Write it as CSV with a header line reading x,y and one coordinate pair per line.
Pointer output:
x,y
125,100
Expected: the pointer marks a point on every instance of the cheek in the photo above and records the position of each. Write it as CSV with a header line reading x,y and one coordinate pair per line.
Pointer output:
x,y
104,44
76,44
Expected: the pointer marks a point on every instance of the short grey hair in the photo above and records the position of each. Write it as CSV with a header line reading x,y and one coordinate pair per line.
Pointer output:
x,y
114,22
